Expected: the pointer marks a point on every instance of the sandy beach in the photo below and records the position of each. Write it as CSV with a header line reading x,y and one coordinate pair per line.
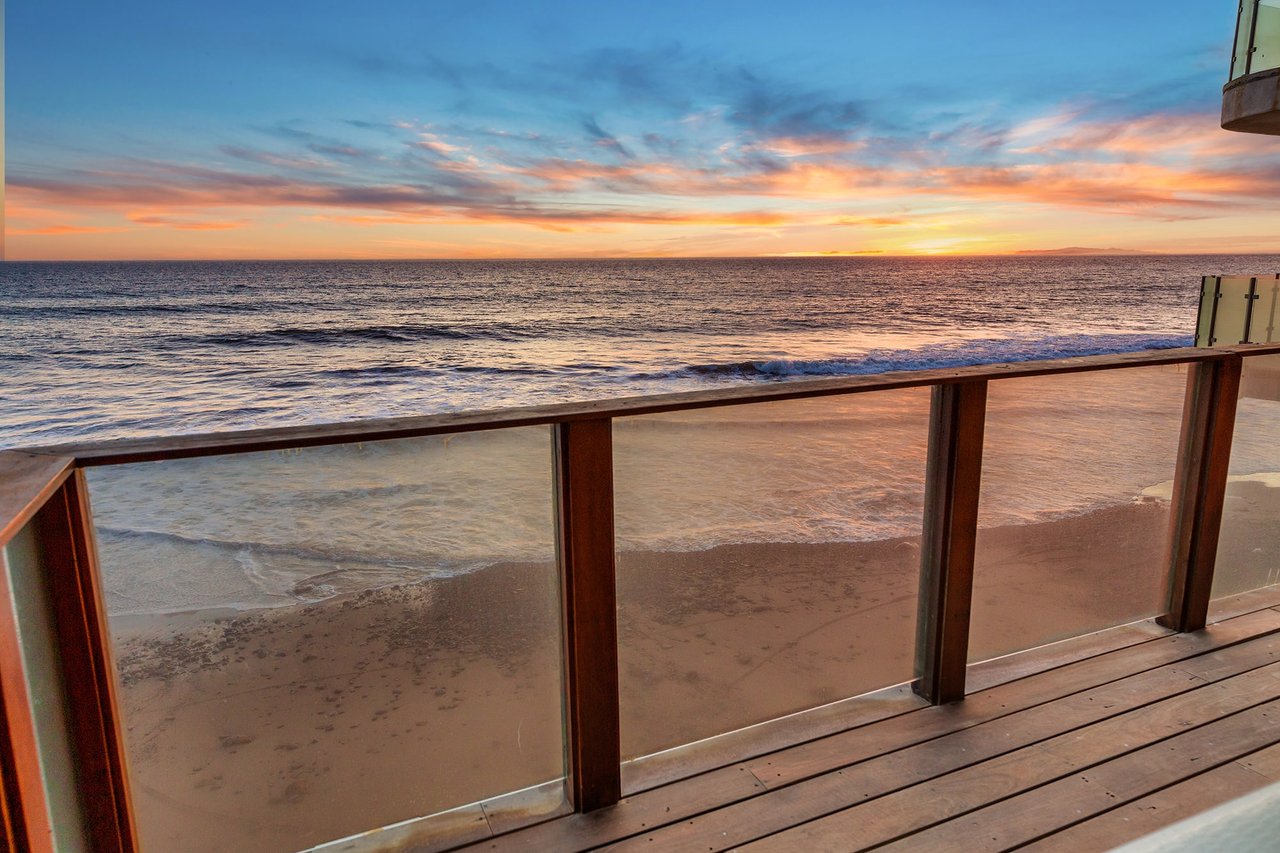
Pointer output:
x,y
274,729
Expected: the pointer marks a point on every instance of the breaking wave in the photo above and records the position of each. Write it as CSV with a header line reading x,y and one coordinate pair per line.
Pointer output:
x,y
960,354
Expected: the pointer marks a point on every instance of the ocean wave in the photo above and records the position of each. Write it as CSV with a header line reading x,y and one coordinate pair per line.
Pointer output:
x,y
375,371
959,354
427,565
249,575
145,309
329,336
506,371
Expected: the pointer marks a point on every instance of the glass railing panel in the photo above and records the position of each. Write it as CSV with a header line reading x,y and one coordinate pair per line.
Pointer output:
x,y
1204,315
1074,509
315,643
1244,30
1266,40
1232,312
768,560
1248,551
1264,323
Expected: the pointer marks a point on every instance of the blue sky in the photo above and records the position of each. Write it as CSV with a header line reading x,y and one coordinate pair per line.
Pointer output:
x,y
148,129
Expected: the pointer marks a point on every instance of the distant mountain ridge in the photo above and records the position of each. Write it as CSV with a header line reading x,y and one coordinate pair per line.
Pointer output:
x,y
1080,250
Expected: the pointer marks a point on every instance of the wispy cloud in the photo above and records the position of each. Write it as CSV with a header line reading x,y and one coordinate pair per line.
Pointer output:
x,y
603,139
769,109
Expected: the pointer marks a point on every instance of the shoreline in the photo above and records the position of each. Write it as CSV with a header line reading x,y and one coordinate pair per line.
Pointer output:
x,y
284,727
143,622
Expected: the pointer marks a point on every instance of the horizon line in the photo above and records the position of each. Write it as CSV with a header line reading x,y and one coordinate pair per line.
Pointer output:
x,y
1032,253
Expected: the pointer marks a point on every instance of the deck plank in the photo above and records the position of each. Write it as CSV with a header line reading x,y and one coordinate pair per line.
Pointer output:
x,y
895,756
814,758
965,771
1155,811
1127,778
632,814
678,764
1265,763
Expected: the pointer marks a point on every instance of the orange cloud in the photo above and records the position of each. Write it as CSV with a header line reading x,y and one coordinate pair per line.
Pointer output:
x,y
569,221
830,253
186,224
873,221
1116,187
1173,135
567,175
60,230
790,178
417,219
432,142
810,146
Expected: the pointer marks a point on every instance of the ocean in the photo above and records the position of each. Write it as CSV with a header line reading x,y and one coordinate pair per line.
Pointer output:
x,y
109,350
115,350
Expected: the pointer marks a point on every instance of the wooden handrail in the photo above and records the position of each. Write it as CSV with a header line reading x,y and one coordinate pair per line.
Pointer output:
x,y
287,438
27,482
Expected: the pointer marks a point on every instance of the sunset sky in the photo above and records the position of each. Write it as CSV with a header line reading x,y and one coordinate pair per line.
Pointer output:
x,y
148,129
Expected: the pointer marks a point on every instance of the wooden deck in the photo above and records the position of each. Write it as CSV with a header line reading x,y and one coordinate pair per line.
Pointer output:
x,y
1101,747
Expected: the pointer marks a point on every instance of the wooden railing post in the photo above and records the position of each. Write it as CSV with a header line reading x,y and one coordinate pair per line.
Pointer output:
x,y
583,452
61,752
954,474
1199,488
27,483
65,530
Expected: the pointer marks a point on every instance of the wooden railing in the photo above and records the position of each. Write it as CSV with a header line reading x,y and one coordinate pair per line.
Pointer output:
x,y
57,684
43,500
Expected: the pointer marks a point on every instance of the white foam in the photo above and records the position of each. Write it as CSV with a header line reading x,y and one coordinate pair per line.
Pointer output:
x,y
1164,491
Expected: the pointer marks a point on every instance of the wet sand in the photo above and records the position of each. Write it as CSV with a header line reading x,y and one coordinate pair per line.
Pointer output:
x,y
276,729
